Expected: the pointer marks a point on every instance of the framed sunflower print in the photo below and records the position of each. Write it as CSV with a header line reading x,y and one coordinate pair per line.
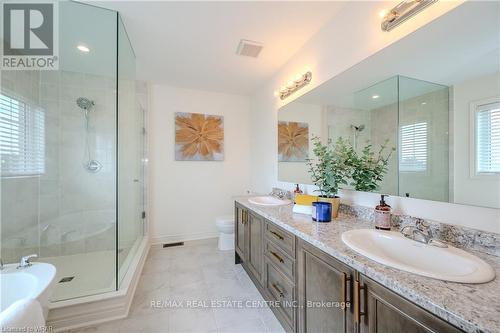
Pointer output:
x,y
199,137
293,141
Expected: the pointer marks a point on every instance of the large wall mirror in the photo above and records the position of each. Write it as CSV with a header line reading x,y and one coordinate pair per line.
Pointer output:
x,y
433,97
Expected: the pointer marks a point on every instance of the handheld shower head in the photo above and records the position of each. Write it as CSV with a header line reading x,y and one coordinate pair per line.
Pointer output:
x,y
89,163
84,103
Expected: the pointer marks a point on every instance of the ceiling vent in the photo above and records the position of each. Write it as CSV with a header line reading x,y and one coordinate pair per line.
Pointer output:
x,y
249,48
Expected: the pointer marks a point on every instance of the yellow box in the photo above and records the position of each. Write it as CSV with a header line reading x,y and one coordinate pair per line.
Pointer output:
x,y
305,199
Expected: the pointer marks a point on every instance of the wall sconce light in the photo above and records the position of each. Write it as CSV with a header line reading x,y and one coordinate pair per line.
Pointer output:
x,y
402,12
292,86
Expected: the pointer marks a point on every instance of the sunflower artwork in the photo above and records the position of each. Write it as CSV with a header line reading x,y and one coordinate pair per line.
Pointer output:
x,y
199,137
293,141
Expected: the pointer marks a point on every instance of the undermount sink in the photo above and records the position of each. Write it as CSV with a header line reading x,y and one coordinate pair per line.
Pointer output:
x,y
268,201
393,249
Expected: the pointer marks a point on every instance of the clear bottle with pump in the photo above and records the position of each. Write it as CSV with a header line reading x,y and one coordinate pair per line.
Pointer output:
x,y
382,214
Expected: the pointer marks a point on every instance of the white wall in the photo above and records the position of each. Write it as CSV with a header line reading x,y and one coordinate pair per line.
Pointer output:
x,y
479,190
186,196
338,46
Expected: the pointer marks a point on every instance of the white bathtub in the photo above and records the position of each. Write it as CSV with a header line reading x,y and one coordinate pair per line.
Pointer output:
x,y
76,227
66,230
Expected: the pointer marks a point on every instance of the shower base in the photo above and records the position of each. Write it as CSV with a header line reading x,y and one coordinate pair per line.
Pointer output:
x,y
93,273
99,301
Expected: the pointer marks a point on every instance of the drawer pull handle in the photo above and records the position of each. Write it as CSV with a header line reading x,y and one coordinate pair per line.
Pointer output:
x,y
357,302
277,235
344,279
277,257
278,290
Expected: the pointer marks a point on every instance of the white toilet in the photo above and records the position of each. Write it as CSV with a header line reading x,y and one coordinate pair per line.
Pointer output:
x,y
225,225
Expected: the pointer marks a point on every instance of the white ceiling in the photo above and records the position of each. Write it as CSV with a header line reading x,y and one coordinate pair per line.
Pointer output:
x,y
193,44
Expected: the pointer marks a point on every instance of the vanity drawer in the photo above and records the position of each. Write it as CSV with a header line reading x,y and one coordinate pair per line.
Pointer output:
x,y
281,260
284,239
282,292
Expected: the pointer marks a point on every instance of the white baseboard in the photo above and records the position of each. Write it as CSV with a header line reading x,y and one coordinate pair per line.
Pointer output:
x,y
183,237
97,309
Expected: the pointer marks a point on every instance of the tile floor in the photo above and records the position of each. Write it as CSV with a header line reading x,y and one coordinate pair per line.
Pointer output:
x,y
184,282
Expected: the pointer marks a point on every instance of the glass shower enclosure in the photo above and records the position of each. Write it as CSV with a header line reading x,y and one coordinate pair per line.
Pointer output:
x,y
410,115
72,156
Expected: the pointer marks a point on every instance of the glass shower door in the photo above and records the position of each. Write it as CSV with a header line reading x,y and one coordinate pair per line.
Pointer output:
x,y
130,157
61,204
423,149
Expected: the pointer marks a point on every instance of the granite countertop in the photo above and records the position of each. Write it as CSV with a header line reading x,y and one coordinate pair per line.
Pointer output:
x,y
471,307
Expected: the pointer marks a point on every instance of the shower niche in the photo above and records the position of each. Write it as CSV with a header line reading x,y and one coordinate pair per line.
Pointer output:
x,y
73,188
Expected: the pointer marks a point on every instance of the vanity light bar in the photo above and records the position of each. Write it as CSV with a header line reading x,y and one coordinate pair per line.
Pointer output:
x,y
292,86
402,12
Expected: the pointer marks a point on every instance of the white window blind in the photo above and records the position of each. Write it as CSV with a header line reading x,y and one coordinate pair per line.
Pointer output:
x,y
488,138
22,138
413,147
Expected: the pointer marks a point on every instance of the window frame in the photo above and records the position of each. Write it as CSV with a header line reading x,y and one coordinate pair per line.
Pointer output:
x,y
473,161
11,95
410,122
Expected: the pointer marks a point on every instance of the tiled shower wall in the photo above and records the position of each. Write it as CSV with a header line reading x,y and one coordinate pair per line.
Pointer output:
x,y
19,196
432,108
380,125
32,206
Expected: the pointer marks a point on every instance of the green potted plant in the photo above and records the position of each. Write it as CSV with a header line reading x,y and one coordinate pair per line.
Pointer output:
x,y
369,167
330,169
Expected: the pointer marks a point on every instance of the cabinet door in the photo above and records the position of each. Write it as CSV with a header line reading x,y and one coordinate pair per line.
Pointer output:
x,y
239,231
255,248
382,311
324,292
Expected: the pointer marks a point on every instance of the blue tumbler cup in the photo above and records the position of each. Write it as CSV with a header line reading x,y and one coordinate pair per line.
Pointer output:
x,y
322,211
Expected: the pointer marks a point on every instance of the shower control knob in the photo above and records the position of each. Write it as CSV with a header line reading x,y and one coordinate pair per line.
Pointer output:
x,y
93,166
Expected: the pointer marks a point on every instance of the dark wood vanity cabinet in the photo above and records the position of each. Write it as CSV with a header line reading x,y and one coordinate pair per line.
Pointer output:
x,y
324,292
280,272
382,311
240,218
248,240
318,293
255,252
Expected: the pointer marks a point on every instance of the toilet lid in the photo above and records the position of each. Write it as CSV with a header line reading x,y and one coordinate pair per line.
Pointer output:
x,y
228,219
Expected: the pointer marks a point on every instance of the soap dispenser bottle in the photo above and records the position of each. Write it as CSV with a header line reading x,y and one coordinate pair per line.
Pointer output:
x,y
383,214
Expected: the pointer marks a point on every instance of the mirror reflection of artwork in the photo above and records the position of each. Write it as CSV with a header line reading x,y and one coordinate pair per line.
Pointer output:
x,y
199,137
293,141
442,115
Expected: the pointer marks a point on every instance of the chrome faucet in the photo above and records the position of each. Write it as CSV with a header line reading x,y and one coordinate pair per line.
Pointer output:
x,y
421,233
26,261
281,194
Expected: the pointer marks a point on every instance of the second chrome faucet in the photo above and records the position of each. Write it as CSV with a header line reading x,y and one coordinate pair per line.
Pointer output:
x,y
421,233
